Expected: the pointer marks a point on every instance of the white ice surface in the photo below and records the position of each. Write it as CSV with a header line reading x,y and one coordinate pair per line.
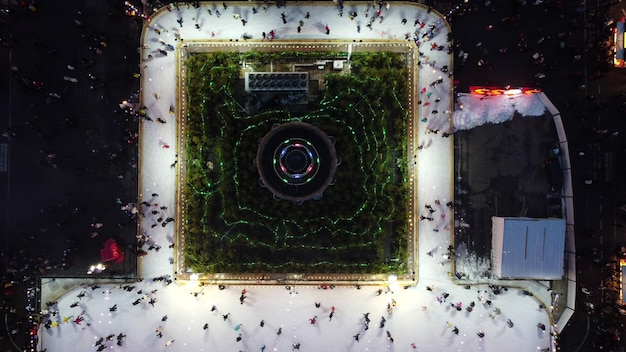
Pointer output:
x,y
408,323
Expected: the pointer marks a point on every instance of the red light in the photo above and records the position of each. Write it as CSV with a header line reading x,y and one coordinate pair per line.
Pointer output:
x,y
495,91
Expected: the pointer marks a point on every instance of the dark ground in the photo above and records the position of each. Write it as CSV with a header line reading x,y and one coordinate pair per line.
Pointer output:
x,y
69,156
590,96
47,211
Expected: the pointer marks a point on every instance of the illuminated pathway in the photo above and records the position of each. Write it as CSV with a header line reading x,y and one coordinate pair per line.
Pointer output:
x,y
418,316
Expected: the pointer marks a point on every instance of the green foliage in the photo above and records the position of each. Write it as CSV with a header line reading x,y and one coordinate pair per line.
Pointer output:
x,y
360,225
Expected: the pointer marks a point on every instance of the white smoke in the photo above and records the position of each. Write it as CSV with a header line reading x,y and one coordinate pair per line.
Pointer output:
x,y
476,110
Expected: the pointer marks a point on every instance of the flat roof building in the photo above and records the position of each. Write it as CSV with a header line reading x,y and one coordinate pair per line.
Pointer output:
x,y
526,248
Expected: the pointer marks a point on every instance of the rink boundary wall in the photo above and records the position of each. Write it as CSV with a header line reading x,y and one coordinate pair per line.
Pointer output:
x,y
568,200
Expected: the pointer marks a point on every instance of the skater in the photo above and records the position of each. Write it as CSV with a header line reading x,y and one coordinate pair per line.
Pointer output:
x,y
389,336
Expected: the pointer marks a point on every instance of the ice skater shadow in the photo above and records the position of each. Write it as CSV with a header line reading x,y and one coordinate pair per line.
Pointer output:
x,y
321,27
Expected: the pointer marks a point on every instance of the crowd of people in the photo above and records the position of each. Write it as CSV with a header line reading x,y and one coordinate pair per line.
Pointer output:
x,y
116,147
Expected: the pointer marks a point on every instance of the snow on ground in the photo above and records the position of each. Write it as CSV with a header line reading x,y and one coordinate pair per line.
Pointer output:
x,y
420,316
476,110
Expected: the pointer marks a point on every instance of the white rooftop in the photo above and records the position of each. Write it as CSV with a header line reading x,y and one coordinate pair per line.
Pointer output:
x,y
525,248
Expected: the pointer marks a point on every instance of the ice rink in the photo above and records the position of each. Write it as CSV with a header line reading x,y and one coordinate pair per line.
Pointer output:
x,y
423,317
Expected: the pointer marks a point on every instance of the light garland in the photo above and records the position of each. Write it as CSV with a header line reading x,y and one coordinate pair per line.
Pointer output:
x,y
256,226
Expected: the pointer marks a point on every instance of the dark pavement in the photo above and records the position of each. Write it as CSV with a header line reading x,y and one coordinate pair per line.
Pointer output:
x,y
69,163
590,96
69,151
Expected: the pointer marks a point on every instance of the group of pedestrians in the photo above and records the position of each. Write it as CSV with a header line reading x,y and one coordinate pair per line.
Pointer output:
x,y
426,36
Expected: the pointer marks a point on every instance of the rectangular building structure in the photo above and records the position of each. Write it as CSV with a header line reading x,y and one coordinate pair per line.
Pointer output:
x,y
527,248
